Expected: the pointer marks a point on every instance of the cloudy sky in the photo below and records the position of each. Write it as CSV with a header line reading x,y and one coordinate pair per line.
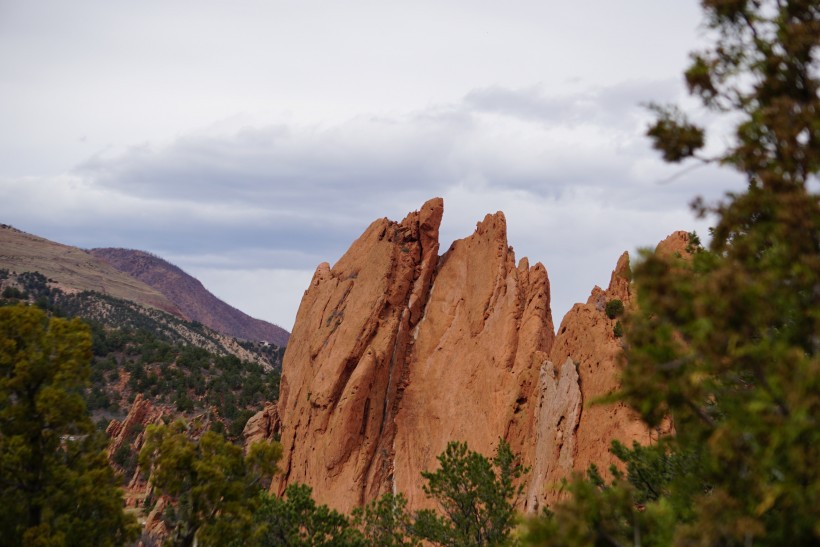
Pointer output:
x,y
248,141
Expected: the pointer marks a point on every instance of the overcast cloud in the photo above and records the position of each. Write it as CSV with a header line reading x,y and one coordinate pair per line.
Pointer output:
x,y
248,142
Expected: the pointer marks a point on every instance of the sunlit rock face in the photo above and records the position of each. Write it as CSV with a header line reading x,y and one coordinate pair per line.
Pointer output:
x,y
474,364
348,355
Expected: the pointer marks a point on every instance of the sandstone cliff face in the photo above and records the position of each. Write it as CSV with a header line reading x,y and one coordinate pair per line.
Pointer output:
x,y
588,349
387,366
347,356
572,433
474,365
397,351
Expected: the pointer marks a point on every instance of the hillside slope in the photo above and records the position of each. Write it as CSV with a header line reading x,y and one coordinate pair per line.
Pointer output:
x,y
71,269
188,293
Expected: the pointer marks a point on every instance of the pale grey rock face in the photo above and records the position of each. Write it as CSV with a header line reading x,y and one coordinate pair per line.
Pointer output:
x,y
559,410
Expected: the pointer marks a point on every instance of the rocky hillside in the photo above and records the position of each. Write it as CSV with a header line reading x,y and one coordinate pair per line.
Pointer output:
x,y
71,269
186,292
397,350
147,365
151,360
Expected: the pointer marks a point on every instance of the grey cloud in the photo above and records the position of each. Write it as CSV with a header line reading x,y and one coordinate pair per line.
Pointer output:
x,y
279,164
291,188
376,156
607,105
529,104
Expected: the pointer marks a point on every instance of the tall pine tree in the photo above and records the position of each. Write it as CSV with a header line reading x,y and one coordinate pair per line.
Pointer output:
x,y
56,486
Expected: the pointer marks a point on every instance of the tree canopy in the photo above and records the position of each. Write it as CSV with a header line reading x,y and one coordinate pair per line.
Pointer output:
x,y
56,486
476,495
212,485
296,520
726,339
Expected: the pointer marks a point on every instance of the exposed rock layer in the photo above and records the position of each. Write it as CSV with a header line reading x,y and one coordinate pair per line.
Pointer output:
x,y
129,435
397,351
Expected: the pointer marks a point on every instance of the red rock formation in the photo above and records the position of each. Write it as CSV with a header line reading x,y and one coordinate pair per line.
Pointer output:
x,y
262,425
130,433
383,368
676,243
586,342
347,353
473,369
395,352
577,432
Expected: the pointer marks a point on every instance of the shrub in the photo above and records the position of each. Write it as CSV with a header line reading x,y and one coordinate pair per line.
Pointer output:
x,y
614,308
14,292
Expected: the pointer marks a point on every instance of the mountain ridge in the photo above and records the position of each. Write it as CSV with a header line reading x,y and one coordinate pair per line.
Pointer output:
x,y
136,276
188,293
72,269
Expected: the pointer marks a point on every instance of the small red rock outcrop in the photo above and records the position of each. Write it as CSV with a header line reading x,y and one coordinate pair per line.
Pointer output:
x,y
130,435
263,425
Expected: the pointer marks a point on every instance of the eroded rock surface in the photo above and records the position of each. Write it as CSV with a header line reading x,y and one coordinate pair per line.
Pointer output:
x,y
558,414
473,368
129,435
347,355
263,425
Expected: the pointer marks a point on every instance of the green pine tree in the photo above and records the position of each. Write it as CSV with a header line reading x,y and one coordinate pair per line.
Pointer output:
x,y
296,520
56,486
476,496
386,522
213,487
